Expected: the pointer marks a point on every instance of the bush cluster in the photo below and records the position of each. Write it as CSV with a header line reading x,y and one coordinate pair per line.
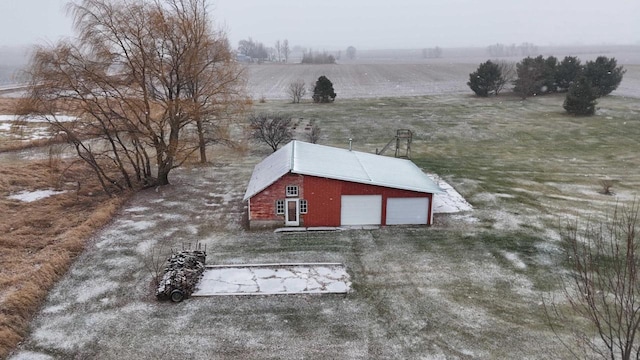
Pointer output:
x,y
311,57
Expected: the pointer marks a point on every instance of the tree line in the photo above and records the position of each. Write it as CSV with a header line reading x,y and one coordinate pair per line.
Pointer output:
x,y
540,76
502,50
257,51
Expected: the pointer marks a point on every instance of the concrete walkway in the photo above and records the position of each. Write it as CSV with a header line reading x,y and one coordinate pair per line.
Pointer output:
x,y
274,279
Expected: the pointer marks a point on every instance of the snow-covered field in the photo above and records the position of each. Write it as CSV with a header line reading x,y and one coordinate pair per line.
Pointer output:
x,y
405,73
14,127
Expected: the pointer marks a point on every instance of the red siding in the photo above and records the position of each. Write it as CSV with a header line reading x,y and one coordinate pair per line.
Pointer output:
x,y
323,198
263,204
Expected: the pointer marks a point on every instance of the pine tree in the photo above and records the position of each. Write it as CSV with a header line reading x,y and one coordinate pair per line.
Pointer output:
x,y
484,81
550,67
604,74
531,77
567,71
323,91
536,76
581,98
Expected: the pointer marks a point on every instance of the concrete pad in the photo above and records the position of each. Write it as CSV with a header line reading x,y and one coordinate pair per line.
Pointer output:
x,y
271,279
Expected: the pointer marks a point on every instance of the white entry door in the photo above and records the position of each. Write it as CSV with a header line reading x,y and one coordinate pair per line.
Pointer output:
x,y
292,212
361,210
407,211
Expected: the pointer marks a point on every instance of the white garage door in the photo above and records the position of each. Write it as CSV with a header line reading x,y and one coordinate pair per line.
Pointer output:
x,y
361,210
407,211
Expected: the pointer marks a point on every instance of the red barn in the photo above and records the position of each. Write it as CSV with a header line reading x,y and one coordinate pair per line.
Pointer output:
x,y
311,185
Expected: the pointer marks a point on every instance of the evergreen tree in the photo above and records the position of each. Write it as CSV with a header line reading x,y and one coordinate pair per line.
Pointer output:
x,y
550,67
323,90
567,71
581,98
531,77
486,79
604,74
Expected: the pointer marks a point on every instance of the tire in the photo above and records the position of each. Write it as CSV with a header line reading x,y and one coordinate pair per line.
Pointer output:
x,y
177,296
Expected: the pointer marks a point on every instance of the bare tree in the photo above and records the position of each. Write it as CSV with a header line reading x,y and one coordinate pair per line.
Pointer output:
x,y
297,90
604,285
606,184
143,77
507,74
278,48
271,129
286,51
351,52
314,134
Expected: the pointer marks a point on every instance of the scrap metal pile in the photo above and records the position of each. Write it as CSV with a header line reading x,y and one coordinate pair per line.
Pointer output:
x,y
181,275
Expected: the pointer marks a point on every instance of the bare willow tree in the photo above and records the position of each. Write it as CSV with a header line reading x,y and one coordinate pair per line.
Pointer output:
x,y
297,90
604,286
149,80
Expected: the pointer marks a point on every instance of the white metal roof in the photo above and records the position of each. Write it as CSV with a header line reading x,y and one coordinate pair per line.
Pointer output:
x,y
341,164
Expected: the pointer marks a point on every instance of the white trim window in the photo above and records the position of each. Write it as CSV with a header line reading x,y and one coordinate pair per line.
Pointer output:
x,y
303,206
279,207
292,190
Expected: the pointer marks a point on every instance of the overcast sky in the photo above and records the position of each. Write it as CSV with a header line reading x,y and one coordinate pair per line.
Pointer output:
x,y
370,24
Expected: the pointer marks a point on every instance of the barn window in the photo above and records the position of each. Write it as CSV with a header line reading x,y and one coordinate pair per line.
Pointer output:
x,y
292,190
279,207
303,206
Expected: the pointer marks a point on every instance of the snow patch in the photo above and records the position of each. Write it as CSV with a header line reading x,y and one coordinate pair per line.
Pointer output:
x,y
145,246
505,221
55,308
137,225
467,218
93,290
137,209
47,118
30,355
515,260
31,196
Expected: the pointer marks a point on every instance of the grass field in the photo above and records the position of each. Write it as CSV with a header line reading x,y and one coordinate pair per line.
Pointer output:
x,y
468,287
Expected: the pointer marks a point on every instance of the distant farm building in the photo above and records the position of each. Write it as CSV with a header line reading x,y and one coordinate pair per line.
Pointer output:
x,y
243,58
311,185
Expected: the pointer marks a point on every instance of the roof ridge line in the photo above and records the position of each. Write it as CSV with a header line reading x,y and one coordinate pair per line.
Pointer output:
x,y
355,153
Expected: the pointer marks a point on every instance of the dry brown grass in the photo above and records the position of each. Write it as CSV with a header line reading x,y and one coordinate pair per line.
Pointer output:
x,y
15,145
9,105
40,239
